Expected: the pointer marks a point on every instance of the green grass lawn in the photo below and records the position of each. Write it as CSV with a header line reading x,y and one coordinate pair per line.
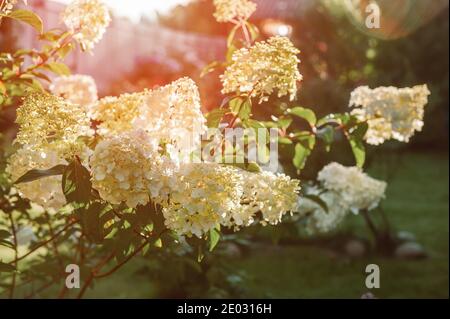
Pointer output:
x,y
417,201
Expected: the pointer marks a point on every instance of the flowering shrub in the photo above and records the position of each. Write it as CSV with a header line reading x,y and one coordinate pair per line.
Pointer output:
x,y
115,177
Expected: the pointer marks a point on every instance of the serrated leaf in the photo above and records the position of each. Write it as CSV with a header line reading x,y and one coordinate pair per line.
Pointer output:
x,y
35,174
305,114
214,237
29,18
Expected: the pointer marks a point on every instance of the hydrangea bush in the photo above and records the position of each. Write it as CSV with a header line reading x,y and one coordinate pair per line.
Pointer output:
x,y
95,182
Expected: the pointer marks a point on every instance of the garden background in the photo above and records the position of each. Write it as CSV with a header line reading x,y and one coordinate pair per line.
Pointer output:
x,y
337,55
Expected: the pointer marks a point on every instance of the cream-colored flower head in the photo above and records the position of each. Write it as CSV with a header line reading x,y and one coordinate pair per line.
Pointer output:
x,y
77,89
172,114
117,115
205,195
233,10
88,19
131,168
7,6
317,219
46,191
391,113
271,194
47,122
262,68
357,189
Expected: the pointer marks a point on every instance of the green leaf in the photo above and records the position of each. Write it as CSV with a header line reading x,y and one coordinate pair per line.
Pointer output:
x,y
358,150
360,130
4,234
254,124
305,114
35,174
158,243
6,243
254,32
2,88
58,68
214,117
6,267
355,137
241,107
300,156
327,135
302,150
29,18
250,167
253,167
284,140
42,76
65,50
92,220
319,201
306,138
76,182
284,122
214,237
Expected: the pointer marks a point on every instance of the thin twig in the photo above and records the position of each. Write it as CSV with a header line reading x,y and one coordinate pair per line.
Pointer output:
x,y
44,242
118,266
16,253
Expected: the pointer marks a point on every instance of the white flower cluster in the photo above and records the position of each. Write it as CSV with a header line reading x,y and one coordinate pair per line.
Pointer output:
x,y
209,194
272,194
344,189
88,20
356,189
262,68
49,123
233,10
50,129
130,168
172,114
46,192
77,89
318,219
391,113
137,160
